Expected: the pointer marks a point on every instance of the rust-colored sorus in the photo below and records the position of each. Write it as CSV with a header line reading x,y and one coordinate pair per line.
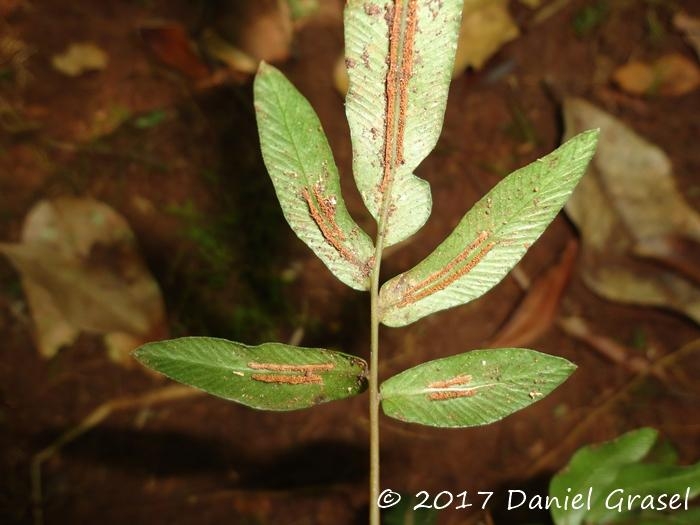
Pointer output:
x,y
304,374
463,379
304,379
443,277
452,394
398,76
326,223
291,368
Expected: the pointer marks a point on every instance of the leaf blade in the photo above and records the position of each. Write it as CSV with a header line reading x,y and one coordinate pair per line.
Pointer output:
x,y
597,466
303,172
395,107
647,480
491,238
271,376
472,389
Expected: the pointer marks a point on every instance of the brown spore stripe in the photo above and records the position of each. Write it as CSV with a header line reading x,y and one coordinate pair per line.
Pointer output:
x,y
454,262
463,379
331,233
397,78
305,379
394,37
327,210
418,292
406,72
275,367
453,394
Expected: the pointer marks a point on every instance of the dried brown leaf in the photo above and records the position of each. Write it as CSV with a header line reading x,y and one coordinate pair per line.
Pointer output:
x,y
8,7
690,27
671,76
171,45
673,251
537,311
223,51
486,27
578,328
262,29
627,197
81,271
80,58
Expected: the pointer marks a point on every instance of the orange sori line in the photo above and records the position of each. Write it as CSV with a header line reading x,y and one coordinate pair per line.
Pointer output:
x,y
454,262
454,394
291,368
328,211
412,297
330,234
406,72
290,380
394,37
463,379
397,81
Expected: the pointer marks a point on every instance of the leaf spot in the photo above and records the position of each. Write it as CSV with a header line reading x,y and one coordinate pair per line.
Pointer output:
x,y
305,379
451,394
301,374
322,211
321,367
463,379
372,9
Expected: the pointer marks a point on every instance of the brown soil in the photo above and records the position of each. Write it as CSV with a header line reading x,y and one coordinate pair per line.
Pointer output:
x,y
202,460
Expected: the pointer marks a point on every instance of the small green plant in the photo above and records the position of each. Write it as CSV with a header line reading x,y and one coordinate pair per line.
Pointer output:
x,y
399,57
634,479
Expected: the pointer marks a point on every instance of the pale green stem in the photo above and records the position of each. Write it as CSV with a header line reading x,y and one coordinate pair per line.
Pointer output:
x,y
374,479
374,398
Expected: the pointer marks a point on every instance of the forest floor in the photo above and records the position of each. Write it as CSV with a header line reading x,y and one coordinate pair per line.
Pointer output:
x,y
182,164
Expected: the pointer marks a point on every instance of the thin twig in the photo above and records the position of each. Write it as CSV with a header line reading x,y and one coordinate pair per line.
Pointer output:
x,y
593,417
549,11
94,418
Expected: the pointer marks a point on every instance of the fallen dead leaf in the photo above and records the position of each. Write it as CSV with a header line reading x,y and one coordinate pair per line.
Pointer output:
x,y
674,251
578,328
486,27
548,11
627,197
690,27
80,58
341,80
14,56
223,51
537,311
301,9
8,7
262,29
671,76
171,45
81,271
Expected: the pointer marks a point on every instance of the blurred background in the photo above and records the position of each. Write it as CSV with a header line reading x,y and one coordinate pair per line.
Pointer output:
x,y
134,206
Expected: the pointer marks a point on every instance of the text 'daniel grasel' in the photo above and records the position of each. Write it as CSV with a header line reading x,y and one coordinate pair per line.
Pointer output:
x,y
613,499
